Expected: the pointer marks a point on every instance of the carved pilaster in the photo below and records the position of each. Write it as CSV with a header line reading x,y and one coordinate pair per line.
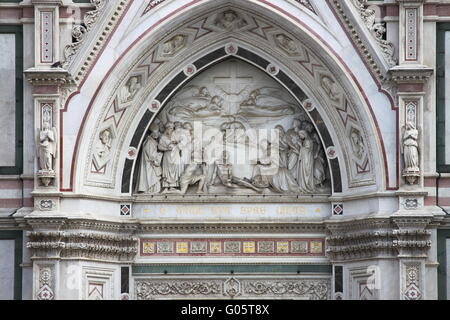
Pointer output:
x,y
46,17
411,31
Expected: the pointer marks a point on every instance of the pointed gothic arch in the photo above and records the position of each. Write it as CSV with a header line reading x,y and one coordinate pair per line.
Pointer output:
x,y
351,116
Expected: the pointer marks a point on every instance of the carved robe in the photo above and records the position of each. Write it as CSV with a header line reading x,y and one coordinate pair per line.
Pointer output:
x,y
171,164
47,149
411,150
150,167
305,174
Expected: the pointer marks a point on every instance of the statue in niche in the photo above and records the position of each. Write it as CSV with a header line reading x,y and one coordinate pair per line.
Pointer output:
x,y
224,171
230,20
104,148
411,169
330,87
150,166
47,147
174,45
286,43
130,89
171,164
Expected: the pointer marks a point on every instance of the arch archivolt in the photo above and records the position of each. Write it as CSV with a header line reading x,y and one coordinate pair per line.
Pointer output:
x,y
154,66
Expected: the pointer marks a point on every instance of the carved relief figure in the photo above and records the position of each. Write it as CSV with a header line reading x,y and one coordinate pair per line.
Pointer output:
x,y
210,156
47,146
150,166
130,89
330,87
173,45
224,170
411,153
192,175
104,148
319,155
286,43
230,20
357,143
305,175
229,111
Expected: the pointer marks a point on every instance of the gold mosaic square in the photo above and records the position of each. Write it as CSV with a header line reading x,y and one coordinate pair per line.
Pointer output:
x,y
182,247
316,247
249,247
215,247
148,247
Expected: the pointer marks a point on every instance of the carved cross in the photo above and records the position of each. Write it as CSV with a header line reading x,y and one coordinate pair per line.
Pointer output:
x,y
234,83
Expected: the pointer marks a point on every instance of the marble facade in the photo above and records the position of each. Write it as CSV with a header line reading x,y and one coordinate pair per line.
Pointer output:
x,y
253,149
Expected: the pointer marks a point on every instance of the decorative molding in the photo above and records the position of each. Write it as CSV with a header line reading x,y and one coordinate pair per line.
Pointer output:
x,y
370,238
412,290
232,247
81,245
361,44
79,31
234,287
376,29
410,75
307,5
46,279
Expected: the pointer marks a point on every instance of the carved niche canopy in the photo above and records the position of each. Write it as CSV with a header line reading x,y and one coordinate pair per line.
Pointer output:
x,y
232,130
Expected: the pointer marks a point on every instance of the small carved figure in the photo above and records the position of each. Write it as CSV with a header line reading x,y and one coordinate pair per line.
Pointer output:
x,y
105,144
411,153
173,45
286,43
357,143
47,146
230,20
330,88
130,89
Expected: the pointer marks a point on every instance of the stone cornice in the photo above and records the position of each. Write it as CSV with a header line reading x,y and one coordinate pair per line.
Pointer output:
x,y
411,74
53,76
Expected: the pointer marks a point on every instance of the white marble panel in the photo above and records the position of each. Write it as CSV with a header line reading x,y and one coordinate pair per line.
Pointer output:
x,y
232,211
447,249
447,97
7,100
7,270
